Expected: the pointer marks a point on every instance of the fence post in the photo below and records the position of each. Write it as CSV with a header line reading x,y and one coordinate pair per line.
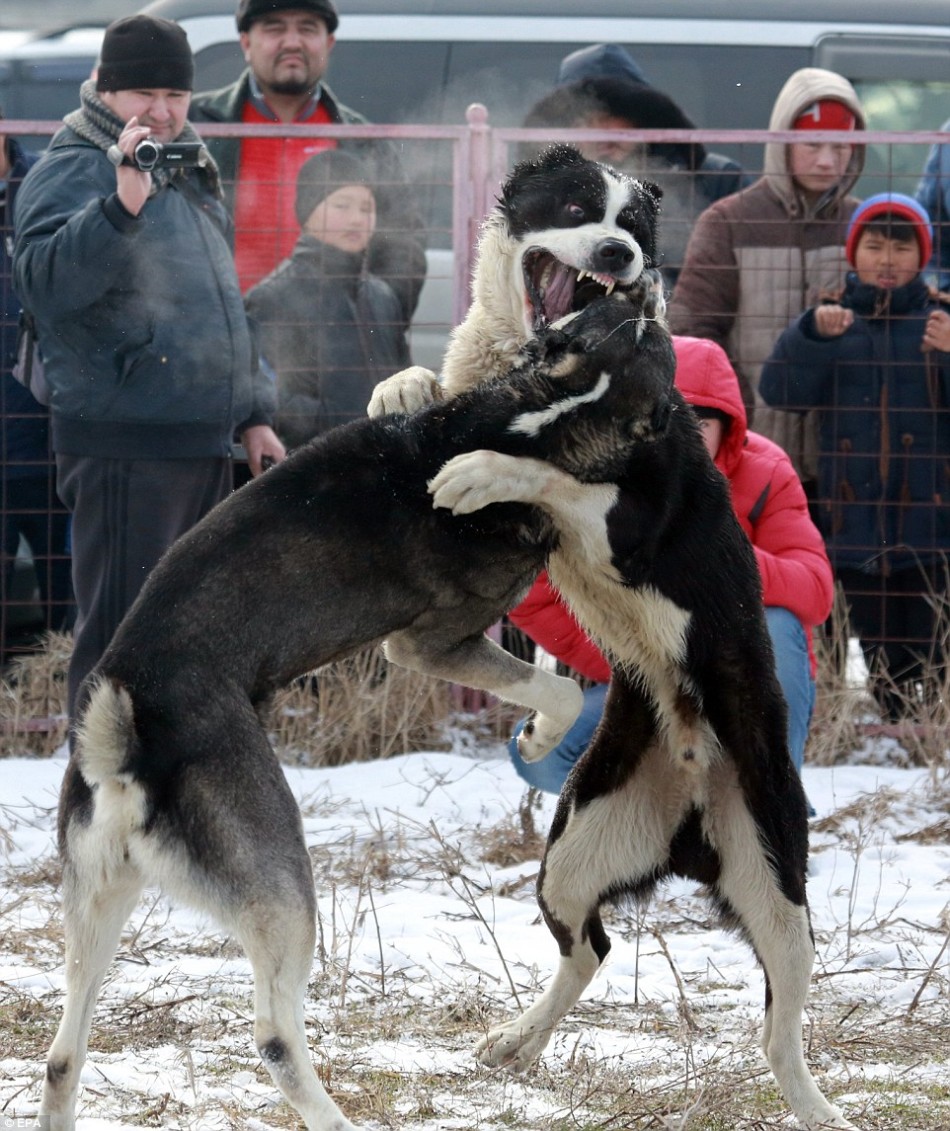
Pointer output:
x,y
470,202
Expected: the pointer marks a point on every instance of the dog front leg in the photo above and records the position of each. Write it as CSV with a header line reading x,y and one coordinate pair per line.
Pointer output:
x,y
474,480
554,701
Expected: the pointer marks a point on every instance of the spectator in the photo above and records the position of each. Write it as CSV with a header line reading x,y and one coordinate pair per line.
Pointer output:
x,y
933,192
771,507
148,355
875,364
602,87
756,259
28,503
328,328
287,44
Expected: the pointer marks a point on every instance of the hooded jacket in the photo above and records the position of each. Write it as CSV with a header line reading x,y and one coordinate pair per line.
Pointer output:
x,y
769,502
146,344
331,332
397,250
884,415
757,259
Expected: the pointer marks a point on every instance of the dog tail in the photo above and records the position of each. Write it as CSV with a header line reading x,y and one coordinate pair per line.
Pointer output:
x,y
105,736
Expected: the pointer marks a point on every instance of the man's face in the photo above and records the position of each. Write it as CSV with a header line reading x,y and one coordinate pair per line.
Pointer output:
x,y
164,111
346,219
818,166
287,51
611,151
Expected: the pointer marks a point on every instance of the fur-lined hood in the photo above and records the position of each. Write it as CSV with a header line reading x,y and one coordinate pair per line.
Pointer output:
x,y
802,88
638,103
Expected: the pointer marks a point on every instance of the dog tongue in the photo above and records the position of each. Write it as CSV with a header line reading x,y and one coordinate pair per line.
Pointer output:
x,y
559,292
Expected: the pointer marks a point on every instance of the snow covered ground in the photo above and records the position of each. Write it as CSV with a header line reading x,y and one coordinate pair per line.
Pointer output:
x,y
429,932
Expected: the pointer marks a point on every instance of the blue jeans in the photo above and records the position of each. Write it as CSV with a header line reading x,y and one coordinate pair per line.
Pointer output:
x,y
794,674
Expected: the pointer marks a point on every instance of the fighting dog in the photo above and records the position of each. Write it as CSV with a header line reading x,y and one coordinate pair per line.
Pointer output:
x,y
565,231
172,780
689,772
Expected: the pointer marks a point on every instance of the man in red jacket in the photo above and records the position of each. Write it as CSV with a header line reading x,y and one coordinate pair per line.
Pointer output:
x,y
769,500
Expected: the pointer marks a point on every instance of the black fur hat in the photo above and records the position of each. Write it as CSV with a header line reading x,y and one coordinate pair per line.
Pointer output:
x,y
250,10
145,52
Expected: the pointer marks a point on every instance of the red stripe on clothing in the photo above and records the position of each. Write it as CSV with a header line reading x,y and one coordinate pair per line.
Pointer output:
x,y
265,223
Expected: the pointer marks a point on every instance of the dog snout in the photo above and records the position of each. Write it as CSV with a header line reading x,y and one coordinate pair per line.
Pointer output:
x,y
612,257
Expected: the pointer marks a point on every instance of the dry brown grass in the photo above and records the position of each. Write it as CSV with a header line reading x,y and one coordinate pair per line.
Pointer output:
x,y
358,710
846,715
33,700
363,709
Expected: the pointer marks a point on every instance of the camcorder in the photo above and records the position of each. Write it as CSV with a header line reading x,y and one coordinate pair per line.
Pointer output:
x,y
149,154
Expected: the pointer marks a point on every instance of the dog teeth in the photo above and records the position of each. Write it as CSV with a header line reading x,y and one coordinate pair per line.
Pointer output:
x,y
606,281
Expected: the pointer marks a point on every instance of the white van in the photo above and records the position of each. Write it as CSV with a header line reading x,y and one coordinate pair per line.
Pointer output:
x,y
426,61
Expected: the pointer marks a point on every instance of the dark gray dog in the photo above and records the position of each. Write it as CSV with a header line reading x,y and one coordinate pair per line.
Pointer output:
x,y
173,780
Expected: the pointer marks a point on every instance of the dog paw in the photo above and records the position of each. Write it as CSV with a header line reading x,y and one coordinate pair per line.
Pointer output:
x,y
406,391
512,1047
541,733
828,1117
471,481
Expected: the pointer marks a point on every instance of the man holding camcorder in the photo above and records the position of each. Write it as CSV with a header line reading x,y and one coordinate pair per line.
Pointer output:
x,y
126,266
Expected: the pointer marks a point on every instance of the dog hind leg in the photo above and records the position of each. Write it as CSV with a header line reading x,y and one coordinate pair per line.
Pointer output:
x,y
100,889
780,933
591,857
253,874
279,942
477,661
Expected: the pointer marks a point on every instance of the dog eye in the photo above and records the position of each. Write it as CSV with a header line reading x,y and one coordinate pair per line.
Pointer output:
x,y
575,211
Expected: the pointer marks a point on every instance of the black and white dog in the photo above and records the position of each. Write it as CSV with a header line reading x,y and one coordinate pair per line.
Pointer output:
x,y
172,779
565,231
688,773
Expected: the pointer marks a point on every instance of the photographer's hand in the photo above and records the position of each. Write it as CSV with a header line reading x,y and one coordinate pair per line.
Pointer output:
x,y
132,185
262,446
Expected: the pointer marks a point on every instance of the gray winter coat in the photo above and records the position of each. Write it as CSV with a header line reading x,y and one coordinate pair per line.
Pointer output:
x,y
146,344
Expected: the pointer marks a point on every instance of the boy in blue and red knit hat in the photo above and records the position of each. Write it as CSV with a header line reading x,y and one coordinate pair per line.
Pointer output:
x,y
875,364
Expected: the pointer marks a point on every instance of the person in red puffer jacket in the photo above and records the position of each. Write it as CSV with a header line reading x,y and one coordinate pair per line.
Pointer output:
x,y
770,503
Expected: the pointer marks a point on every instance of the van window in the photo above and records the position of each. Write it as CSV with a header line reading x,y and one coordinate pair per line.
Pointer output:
x,y
901,84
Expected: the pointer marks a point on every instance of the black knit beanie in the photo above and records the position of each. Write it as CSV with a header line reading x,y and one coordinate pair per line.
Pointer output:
x,y
323,174
144,52
250,10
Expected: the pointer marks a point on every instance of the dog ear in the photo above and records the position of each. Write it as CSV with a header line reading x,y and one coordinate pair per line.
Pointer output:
x,y
652,194
649,195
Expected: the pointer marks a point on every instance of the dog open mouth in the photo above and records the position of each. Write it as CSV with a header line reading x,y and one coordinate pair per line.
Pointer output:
x,y
553,289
